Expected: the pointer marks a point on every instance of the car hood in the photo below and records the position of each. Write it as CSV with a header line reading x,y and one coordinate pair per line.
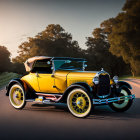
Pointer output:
x,y
76,76
73,74
84,74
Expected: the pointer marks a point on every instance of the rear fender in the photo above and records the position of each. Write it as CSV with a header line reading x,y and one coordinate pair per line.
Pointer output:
x,y
12,82
27,90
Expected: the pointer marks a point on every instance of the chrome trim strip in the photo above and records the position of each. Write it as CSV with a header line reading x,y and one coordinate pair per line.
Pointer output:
x,y
110,100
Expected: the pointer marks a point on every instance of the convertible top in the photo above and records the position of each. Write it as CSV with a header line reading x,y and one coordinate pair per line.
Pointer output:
x,y
30,61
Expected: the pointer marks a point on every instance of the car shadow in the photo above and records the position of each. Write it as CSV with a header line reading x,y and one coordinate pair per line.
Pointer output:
x,y
109,114
47,107
106,113
99,112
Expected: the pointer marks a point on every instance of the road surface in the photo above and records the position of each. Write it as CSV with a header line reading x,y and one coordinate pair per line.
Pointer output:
x,y
50,123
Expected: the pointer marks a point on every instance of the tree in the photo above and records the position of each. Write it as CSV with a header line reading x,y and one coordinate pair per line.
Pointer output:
x,y
124,35
99,55
5,63
53,41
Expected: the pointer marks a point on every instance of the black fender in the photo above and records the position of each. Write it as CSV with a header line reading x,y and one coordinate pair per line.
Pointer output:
x,y
82,85
12,82
121,85
88,88
124,84
27,90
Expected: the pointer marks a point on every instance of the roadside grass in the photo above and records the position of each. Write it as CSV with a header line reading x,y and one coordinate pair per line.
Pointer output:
x,y
6,77
129,77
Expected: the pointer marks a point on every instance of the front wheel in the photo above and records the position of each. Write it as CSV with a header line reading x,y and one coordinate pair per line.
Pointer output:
x,y
79,103
123,105
17,96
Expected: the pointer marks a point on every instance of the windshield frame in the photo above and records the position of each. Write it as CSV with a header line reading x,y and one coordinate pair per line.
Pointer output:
x,y
76,60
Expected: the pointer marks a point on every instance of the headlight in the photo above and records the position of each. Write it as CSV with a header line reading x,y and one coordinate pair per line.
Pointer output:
x,y
96,80
115,79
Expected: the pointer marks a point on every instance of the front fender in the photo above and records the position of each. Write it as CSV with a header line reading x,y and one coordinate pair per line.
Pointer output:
x,y
71,87
124,84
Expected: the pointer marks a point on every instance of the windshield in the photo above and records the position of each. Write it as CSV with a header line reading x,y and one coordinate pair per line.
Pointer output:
x,y
68,65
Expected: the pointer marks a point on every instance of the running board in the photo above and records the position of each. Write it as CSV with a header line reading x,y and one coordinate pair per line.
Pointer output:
x,y
47,102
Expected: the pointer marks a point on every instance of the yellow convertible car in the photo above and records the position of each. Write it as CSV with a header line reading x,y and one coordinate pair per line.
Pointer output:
x,y
53,80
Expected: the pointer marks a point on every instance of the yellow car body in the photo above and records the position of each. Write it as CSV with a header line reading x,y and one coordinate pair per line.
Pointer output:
x,y
61,80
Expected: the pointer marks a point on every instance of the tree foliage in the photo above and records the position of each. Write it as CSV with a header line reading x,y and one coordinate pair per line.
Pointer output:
x,y
5,63
53,41
124,33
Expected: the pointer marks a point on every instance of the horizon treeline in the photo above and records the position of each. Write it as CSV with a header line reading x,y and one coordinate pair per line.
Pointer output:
x,y
114,46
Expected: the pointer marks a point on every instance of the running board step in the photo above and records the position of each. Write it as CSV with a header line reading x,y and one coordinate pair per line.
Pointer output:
x,y
47,102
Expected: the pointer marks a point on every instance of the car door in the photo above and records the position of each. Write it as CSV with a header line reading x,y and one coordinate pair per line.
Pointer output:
x,y
46,83
44,76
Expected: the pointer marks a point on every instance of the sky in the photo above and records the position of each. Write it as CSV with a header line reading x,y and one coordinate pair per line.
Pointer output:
x,y
20,19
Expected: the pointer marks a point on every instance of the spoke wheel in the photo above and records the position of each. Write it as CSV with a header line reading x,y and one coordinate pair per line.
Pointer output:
x,y
17,96
79,103
122,105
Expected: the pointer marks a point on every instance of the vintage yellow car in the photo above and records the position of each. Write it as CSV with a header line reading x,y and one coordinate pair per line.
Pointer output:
x,y
53,80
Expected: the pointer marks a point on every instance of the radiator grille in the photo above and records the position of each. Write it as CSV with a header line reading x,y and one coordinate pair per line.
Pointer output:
x,y
103,88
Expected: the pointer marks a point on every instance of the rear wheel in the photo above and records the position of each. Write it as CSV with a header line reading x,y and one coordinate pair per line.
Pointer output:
x,y
17,96
79,103
123,105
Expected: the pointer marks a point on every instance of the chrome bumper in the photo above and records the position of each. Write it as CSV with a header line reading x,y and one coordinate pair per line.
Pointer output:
x,y
110,100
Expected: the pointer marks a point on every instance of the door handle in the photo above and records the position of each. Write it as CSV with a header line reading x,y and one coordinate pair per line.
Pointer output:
x,y
52,75
37,74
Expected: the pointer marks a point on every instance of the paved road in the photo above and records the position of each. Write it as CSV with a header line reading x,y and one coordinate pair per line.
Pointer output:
x,y
35,122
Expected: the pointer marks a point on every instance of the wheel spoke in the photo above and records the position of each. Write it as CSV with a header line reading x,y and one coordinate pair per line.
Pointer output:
x,y
17,96
74,99
74,103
